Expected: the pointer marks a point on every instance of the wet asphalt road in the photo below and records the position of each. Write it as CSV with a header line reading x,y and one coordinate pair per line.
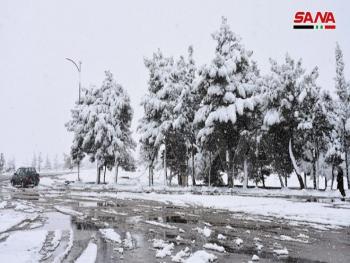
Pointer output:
x,y
148,220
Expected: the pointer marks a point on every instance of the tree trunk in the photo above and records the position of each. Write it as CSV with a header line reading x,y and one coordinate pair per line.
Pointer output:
x,y
78,170
193,169
281,180
230,169
346,158
165,165
305,180
314,174
317,175
149,175
332,177
325,183
98,179
152,173
245,169
116,172
209,168
285,181
263,179
104,175
347,166
295,166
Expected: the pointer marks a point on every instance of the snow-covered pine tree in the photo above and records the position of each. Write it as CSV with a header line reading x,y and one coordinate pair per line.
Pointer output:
x,y
2,163
11,165
34,161
314,124
101,125
186,106
67,162
180,135
342,88
40,161
55,163
113,141
283,88
156,121
47,165
227,88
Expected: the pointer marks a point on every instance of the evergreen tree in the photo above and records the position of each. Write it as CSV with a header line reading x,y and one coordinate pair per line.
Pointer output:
x,y
227,88
2,163
186,106
56,163
314,127
34,161
40,161
67,162
101,125
343,92
47,163
11,165
156,122
284,91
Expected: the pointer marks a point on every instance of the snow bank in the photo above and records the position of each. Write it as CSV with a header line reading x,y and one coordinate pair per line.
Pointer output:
x,y
320,213
201,256
179,257
163,248
68,211
204,231
10,219
213,246
110,234
69,247
23,247
89,254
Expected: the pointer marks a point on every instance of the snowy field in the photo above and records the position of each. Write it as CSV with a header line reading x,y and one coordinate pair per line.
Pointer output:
x,y
62,220
315,207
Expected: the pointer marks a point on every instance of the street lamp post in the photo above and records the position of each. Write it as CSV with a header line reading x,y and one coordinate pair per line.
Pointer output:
x,y
78,66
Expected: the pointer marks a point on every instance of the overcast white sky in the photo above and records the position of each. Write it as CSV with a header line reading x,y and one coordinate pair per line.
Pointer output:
x,y
38,86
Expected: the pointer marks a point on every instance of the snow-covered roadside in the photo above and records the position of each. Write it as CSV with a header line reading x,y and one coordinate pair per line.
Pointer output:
x,y
319,213
10,219
137,182
23,247
89,254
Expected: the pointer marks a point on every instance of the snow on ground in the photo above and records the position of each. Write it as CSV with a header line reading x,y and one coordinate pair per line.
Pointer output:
x,y
138,182
204,231
23,246
163,248
55,240
255,258
320,213
68,248
10,219
68,211
221,237
179,257
238,241
127,242
288,238
110,234
3,204
281,252
201,256
89,254
155,223
213,246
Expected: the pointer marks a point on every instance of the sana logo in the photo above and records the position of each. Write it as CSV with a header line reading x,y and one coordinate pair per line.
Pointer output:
x,y
318,20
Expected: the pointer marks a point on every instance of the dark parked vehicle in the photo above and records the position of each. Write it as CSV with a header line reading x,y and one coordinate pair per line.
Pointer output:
x,y
25,176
